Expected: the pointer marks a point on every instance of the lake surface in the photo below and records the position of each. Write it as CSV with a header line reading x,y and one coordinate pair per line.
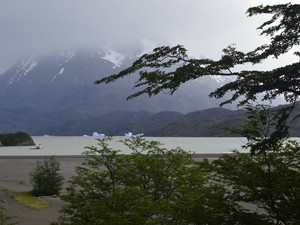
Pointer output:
x,y
75,145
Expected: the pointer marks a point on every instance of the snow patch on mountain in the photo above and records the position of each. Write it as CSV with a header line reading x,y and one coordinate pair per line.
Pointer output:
x,y
25,67
59,73
62,70
30,67
53,78
221,80
113,57
67,55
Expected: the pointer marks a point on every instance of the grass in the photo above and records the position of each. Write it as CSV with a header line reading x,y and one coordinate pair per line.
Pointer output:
x,y
27,199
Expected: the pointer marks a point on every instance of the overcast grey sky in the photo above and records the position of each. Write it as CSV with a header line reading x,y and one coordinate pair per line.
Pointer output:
x,y
205,27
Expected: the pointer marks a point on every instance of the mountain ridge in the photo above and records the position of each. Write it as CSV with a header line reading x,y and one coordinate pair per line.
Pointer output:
x,y
54,93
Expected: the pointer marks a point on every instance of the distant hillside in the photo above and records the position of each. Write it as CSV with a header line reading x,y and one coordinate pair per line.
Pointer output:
x,y
215,122
121,122
207,123
211,122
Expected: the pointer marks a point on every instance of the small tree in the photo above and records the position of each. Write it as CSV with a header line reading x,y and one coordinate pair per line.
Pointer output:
x,y
45,179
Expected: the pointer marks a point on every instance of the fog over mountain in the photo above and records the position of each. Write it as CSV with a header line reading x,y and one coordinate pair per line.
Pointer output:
x,y
51,93
204,27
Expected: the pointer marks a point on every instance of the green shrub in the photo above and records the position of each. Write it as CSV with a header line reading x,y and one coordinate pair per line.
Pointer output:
x,y
45,179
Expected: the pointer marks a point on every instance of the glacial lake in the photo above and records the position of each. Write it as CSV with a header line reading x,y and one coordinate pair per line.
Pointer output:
x,y
75,145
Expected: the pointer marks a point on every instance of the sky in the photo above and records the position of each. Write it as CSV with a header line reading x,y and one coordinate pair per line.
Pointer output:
x,y
204,27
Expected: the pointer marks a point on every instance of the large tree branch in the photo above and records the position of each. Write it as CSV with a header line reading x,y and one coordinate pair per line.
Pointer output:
x,y
167,68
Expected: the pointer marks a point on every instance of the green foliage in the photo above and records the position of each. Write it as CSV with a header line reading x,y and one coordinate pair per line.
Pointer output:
x,y
167,68
45,179
18,138
152,185
283,28
268,177
269,181
266,127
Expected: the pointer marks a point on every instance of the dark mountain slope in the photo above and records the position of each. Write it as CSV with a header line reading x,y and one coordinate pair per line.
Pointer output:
x,y
54,93
121,122
206,123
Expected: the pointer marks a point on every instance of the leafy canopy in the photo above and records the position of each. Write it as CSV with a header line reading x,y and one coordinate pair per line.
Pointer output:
x,y
152,185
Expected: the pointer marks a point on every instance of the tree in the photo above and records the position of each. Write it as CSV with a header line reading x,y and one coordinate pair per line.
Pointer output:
x,y
45,179
167,68
268,177
152,185
269,182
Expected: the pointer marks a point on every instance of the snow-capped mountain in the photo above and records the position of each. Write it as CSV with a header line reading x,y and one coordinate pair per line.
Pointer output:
x,y
47,94
61,61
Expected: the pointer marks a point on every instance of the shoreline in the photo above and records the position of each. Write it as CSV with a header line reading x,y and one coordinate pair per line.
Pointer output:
x,y
200,155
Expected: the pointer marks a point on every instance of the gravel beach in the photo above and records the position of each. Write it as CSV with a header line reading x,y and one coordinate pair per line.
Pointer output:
x,y
14,176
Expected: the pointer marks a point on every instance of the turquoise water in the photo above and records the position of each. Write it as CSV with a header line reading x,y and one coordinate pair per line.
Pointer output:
x,y
75,145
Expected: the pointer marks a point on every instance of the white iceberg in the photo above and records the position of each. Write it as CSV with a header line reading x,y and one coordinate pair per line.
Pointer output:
x,y
96,134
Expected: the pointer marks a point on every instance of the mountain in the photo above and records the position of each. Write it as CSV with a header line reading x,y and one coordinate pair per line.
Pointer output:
x,y
215,122
120,122
55,94
205,123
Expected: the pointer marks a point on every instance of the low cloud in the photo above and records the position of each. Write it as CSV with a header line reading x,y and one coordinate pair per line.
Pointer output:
x,y
204,27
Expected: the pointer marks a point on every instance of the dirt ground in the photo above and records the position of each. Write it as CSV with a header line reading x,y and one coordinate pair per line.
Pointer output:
x,y
14,176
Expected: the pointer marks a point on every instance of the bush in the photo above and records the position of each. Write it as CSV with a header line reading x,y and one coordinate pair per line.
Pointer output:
x,y
45,179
